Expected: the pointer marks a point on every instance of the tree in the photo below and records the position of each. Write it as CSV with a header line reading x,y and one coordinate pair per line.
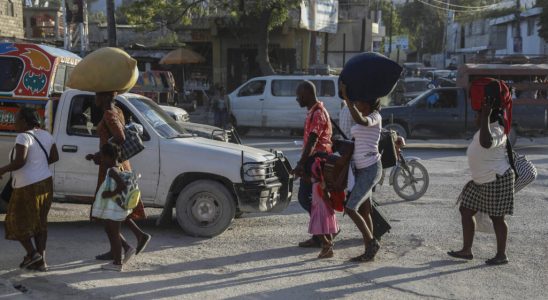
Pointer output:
x,y
543,22
251,20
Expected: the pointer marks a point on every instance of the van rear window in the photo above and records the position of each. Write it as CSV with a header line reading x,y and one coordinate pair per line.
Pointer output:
x,y
10,73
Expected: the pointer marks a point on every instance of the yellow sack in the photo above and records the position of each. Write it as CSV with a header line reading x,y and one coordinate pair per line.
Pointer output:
x,y
105,70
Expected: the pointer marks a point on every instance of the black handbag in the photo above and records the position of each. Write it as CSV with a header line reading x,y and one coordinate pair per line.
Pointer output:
x,y
133,143
8,188
387,148
380,222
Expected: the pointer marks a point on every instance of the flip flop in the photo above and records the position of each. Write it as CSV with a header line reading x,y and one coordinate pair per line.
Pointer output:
x,y
496,261
141,246
361,258
29,260
461,256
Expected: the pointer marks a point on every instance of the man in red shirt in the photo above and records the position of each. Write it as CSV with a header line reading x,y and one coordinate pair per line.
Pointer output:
x,y
317,138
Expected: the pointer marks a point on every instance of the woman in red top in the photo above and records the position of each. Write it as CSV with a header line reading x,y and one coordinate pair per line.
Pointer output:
x,y
112,126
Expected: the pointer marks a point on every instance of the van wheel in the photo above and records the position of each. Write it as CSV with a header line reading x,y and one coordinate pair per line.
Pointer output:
x,y
242,130
397,128
205,208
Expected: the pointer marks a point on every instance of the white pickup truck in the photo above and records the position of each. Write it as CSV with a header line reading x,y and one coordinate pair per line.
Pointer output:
x,y
208,182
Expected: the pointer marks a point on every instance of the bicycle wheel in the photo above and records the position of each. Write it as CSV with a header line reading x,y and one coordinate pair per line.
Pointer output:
x,y
411,184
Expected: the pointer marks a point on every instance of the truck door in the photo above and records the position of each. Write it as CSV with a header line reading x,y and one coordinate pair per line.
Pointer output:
x,y
247,104
75,177
439,114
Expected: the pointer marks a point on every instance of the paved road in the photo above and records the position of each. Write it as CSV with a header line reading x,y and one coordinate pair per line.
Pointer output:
x,y
257,257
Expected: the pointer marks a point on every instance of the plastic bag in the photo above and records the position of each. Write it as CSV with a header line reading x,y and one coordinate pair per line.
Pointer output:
x,y
484,223
105,70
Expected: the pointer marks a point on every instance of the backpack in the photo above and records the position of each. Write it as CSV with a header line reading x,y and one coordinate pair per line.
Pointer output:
x,y
129,198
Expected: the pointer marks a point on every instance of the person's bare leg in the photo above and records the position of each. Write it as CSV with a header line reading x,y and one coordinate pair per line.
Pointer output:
x,y
468,229
139,234
501,232
113,232
362,226
40,240
29,247
365,212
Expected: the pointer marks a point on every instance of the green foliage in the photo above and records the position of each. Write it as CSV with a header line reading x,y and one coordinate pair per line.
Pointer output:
x,y
174,13
169,40
543,22
425,26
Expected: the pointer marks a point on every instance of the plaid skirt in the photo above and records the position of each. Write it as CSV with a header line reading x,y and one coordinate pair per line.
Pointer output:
x,y
28,210
494,198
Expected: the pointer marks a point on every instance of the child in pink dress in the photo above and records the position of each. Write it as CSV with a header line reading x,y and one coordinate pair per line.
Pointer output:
x,y
323,221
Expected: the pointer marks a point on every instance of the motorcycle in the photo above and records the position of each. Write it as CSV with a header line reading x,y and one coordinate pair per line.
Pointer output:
x,y
409,176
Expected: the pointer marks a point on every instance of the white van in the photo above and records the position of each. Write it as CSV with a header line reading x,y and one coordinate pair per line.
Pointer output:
x,y
270,101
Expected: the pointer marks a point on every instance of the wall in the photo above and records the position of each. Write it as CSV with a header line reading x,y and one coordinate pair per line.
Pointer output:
x,y
12,26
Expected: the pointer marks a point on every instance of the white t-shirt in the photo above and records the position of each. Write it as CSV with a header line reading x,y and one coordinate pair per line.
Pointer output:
x,y
366,143
485,164
36,167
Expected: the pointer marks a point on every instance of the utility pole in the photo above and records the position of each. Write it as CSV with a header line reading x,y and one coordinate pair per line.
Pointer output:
x,y
444,47
111,24
518,46
390,29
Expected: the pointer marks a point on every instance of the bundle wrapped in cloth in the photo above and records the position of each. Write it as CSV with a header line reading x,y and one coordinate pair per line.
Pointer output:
x,y
105,70
369,76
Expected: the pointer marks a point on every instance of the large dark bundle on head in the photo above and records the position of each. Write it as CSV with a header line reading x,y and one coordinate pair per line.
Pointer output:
x,y
369,76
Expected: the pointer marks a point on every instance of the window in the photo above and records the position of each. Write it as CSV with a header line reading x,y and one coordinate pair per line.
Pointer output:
x,y
324,88
531,26
253,88
84,116
59,81
285,88
11,69
439,100
9,9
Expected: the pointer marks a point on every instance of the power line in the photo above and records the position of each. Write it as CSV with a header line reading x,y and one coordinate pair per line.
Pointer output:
x,y
451,9
465,6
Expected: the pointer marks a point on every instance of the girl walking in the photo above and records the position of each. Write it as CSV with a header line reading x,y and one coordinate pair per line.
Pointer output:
x,y
367,160
107,209
323,221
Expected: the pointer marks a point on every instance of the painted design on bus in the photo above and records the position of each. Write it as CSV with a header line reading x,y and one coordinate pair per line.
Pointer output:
x,y
37,59
34,82
7,48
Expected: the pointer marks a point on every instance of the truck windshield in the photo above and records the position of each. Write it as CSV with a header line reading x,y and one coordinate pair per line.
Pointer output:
x,y
162,123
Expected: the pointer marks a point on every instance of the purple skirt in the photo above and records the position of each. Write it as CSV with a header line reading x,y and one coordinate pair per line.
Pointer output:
x,y
322,217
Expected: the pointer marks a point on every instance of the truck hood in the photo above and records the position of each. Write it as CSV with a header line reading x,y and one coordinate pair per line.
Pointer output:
x,y
250,154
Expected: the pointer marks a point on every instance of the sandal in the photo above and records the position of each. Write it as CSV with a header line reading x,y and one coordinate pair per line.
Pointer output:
x,y
39,266
456,254
310,243
30,259
105,256
327,252
142,245
495,261
361,258
372,248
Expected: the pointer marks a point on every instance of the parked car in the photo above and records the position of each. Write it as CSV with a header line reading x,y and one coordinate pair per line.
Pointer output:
x,y
202,130
270,101
207,182
408,88
178,114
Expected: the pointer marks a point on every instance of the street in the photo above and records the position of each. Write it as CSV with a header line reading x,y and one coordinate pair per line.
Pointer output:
x,y
258,257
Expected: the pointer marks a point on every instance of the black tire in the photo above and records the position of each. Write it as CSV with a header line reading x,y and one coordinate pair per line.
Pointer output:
x,y
412,186
241,130
205,208
399,129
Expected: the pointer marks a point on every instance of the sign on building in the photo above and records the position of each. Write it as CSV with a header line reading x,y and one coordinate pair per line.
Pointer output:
x,y
320,15
398,41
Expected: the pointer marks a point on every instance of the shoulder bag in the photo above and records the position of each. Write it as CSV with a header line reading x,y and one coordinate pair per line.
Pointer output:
x,y
525,171
133,144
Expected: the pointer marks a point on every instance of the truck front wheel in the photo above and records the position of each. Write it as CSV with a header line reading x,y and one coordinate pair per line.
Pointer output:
x,y
205,208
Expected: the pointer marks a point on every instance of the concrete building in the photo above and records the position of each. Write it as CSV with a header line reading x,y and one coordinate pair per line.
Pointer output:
x,y
490,40
11,19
